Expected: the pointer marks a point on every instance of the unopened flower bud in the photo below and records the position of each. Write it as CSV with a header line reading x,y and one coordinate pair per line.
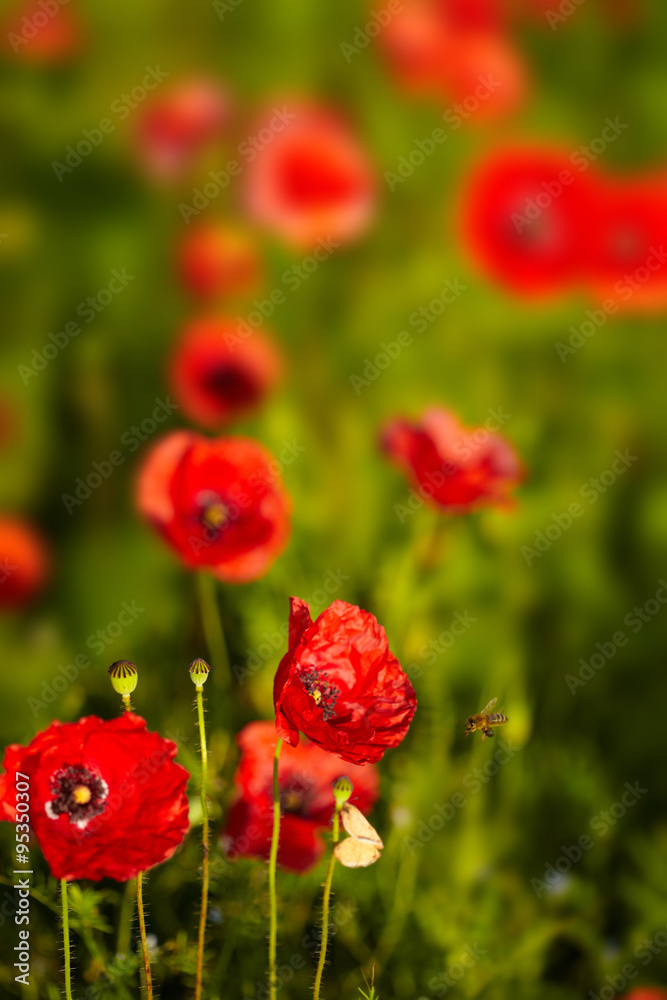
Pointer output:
x,y
199,671
342,789
124,677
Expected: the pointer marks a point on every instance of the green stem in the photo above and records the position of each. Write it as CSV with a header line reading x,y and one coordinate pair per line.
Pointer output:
x,y
325,909
213,631
142,933
68,963
205,865
273,858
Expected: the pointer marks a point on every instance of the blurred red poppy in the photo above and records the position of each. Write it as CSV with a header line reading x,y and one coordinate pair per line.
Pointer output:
x,y
627,259
106,799
455,51
453,468
218,376
178,123
340,685
219,503
43,34
526,217
305,778
308,179
216,259
646,993
484,77
24,562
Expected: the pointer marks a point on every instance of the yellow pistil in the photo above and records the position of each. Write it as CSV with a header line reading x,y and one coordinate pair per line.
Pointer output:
x,y
215,516
82,794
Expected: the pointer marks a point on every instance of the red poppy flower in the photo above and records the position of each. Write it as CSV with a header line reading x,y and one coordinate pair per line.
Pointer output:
x,y
24,562
310,180
219,503
340,685
305,778
106,799
526,218
447,50
178,123
646,993
627,260
216,260
217,376
42,37
484,77
454,468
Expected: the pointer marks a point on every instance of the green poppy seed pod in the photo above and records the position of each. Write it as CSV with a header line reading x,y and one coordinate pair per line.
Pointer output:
x,y
342,789
199,671
124,677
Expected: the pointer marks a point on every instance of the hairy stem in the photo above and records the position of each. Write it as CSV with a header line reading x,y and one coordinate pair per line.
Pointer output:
x,y
142,932
325,909
273,858
68,963
205,835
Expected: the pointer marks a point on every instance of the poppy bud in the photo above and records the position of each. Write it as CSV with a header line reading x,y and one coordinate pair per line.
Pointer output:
x,y
124,677
342,789
199,671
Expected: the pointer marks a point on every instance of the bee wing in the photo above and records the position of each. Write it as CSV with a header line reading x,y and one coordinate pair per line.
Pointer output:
x,y
358,826
355,853
488,707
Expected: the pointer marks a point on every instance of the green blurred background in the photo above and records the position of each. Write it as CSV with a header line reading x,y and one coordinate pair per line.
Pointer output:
x,y
469,883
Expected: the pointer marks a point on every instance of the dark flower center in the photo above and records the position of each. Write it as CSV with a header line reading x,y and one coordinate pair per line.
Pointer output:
x,y
234,385
294,796
213,513
323,692
78,792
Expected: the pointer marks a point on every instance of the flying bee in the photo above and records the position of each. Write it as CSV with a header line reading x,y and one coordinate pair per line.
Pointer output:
x,y
485,719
